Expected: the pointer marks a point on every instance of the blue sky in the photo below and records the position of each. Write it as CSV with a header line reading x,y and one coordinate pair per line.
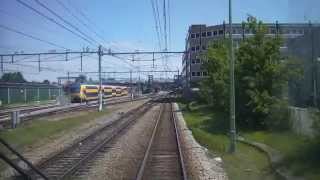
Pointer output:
x,y
128,25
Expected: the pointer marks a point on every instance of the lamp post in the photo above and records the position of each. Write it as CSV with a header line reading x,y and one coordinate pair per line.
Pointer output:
x,y
232,147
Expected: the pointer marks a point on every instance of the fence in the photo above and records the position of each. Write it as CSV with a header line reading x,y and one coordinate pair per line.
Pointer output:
x,y
26,93
302,120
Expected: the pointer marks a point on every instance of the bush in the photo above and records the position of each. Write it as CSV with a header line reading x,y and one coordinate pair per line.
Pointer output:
x,y
278,118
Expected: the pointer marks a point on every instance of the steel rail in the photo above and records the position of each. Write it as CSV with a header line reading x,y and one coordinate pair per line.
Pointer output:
x,y
146,155
141,172
119,124
182,164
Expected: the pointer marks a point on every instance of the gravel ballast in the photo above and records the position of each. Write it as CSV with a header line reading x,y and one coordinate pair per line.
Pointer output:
x,y
122,158
39,151
199,163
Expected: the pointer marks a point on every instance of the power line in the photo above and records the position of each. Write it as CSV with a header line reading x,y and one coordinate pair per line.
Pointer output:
x,y
158,18
52,20
83,15
79,20
65,21
31,36
24,21
156,23
169,23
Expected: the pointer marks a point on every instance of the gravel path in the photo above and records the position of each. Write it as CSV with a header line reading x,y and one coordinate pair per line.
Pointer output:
x,y
200,165
121,160
39,151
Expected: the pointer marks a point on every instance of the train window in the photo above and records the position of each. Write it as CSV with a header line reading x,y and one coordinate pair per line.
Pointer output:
x,y
91,87
75,89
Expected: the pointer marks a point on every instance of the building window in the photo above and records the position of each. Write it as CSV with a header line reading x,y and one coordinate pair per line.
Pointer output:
x,y
197,35
204,34
198,73
247,31
193,36
234,31
193,73
193,48
215,33
197,48
294,31
193,61
221,32
204,48
300,31
209,34
197,61
204,73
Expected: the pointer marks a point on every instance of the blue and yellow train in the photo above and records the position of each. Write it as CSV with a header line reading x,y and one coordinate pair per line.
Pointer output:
x,y
86,92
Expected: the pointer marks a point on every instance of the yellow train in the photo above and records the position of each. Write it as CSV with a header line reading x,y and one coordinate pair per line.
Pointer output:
x,y
85,92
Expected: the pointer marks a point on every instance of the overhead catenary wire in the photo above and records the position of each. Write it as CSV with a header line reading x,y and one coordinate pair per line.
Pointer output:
x,y
31,36
80,20
65,21
79,11
156,23
53,21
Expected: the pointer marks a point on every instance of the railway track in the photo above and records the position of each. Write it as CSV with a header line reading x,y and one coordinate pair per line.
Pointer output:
x,y
67,162
27,114
163,158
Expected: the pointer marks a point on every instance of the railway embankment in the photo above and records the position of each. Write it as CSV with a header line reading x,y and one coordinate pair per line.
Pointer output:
x,y
200,163
45,136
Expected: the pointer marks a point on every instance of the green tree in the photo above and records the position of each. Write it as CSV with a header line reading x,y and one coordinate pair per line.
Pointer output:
x,y
14,77
261,74
215,88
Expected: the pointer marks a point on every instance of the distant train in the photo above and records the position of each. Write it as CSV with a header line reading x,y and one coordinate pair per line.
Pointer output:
x,y
86,92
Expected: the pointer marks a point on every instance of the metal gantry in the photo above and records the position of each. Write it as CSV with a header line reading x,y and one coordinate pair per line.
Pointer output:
x,y
99,52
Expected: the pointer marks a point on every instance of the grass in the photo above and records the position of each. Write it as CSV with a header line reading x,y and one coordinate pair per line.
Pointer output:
x,y
301,155
41,131
12,105
284,141
209,129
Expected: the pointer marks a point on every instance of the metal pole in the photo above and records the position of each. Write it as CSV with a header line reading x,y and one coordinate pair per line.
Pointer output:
x,y
49,93
9,95
131,85
39,62
314,69
100,80
81,60
38,94
25,95
1,63
232,90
